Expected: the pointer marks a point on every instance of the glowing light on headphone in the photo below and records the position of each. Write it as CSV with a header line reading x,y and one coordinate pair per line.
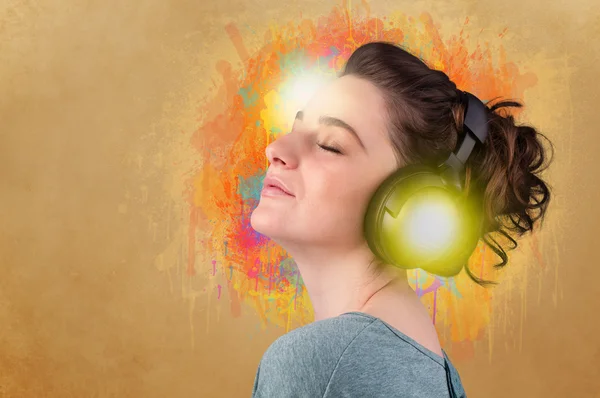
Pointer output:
x,y
432,225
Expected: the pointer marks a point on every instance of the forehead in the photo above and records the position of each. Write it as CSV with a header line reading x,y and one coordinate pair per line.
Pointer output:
x,y
355,101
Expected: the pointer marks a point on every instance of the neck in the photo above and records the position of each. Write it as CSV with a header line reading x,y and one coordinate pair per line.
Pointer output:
x,y
340,281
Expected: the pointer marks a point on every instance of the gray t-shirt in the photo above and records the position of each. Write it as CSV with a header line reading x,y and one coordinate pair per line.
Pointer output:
x,y
353,355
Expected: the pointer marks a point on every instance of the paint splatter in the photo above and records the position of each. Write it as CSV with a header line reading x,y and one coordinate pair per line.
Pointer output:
x,y
245,115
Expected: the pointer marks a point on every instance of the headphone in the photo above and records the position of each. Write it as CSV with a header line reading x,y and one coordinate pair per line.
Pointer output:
x,y
420,201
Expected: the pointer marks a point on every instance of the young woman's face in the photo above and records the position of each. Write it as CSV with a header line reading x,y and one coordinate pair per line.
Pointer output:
x,y
331,163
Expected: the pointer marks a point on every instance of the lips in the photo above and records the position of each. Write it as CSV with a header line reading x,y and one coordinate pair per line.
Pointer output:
x,y
273,184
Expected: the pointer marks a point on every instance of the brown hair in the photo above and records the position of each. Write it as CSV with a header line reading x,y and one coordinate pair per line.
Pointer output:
x,y
425,112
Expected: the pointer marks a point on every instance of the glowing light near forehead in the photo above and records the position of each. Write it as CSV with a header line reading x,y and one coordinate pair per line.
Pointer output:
x,y
305,87
299,89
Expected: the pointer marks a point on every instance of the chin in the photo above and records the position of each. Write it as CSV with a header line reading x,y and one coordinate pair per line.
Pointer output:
x,y
266,224
277,227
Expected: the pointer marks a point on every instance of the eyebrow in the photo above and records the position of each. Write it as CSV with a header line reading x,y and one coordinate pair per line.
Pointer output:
x,y
333,121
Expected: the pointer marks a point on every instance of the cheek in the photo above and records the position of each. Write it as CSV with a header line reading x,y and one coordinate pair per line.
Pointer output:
x,y
339,191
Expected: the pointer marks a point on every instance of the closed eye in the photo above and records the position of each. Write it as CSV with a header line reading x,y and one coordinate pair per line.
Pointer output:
x,y
330,149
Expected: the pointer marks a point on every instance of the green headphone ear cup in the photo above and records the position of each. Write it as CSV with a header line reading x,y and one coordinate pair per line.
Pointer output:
x,y
386,214
389,198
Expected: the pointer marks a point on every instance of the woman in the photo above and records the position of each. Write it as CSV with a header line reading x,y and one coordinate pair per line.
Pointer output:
x,y
372,337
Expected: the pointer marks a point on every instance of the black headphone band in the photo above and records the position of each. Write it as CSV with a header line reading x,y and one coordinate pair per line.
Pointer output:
x,y
475,124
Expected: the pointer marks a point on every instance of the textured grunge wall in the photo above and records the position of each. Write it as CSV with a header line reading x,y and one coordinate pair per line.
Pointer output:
x,y
131,145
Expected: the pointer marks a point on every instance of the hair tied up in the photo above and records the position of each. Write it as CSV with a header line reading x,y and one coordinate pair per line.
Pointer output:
x,y
426,113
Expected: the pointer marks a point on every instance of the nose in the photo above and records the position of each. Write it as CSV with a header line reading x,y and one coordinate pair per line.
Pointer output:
x,y
281,152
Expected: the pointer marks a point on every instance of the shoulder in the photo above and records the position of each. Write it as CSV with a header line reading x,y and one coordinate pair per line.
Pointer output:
x,y
301,362
324,339
350,355
383,362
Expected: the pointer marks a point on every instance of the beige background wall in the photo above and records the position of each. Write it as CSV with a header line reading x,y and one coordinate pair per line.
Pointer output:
x,y
93,94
